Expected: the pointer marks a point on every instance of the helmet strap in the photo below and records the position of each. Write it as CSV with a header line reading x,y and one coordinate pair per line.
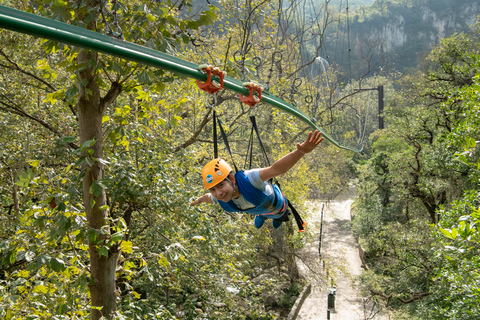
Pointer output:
x,y
233,185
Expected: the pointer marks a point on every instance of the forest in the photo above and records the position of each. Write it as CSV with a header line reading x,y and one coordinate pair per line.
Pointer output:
x,y
101,156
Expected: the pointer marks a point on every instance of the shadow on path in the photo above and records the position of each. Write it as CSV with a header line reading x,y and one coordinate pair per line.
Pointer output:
x,y
340,262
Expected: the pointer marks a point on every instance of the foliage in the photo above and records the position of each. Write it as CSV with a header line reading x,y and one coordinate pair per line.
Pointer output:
x,y
457,231
174,261
457,278
424,166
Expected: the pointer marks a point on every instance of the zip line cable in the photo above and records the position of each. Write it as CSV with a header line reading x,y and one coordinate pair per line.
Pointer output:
x,y
338,42
349,49
31,24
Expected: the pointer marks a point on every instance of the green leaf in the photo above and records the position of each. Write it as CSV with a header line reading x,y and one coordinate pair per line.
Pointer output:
x,y
24,178
42,260
33,163
80,161
92,235
68,139
71,92
103,251
151,18
158,87
454,233
62,206
463,159
57,264
88,161
470,142
96,188
126,246
143,77
117,236
80,236
88,144
447,233
11,257
62,308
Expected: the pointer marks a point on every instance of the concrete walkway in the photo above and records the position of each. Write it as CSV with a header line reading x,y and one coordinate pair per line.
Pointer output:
x,y
340,262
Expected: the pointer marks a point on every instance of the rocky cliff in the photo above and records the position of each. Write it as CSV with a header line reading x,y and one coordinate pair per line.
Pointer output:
x,y
399,35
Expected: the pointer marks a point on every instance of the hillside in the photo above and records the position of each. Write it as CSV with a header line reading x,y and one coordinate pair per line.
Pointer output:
x,y
394,35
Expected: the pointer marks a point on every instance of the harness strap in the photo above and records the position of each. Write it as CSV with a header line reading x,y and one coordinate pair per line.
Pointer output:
x,y
224,137
301,225
215,139
272,206
270,181
249,150
254,126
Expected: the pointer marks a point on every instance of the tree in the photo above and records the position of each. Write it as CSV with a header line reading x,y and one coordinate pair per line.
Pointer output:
x,y
89,84
457,279
419,171
106,155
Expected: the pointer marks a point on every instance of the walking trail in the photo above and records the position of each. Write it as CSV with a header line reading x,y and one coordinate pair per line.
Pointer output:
x,y
339,264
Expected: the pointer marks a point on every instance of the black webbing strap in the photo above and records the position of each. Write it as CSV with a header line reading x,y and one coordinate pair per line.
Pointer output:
x,y
298,219
224,137
254,126
249,151
215,140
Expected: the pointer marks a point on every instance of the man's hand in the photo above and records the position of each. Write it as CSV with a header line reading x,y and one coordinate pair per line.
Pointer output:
x,y
205,198
196,201
285,163
312,141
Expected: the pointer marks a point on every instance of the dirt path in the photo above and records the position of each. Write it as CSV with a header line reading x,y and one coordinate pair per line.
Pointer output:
x,y
340,262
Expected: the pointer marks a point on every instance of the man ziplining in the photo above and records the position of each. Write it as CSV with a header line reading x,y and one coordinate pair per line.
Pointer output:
x,y
249,191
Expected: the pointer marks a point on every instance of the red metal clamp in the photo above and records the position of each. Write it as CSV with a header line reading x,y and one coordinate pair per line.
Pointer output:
x,y
211,85
252,99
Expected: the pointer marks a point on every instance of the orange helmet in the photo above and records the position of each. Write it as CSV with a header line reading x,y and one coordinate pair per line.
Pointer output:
x,y
215,172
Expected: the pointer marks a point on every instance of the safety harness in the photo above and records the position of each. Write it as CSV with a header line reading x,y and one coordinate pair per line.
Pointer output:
x,y
272,203
276,208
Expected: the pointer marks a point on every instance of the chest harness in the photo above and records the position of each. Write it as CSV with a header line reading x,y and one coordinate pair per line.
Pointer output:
x,y
272,206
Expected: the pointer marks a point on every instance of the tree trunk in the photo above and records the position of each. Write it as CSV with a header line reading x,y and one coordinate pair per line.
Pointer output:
x,y
90,112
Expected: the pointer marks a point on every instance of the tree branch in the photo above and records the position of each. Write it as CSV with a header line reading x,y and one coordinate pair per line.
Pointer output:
x,y
12,109
413,297
16,67
193,138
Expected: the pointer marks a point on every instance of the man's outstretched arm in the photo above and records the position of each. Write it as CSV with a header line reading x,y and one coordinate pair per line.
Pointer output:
x,y
206,198
285,163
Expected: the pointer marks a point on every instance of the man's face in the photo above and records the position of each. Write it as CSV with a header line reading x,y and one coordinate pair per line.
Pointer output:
x,y
222,191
